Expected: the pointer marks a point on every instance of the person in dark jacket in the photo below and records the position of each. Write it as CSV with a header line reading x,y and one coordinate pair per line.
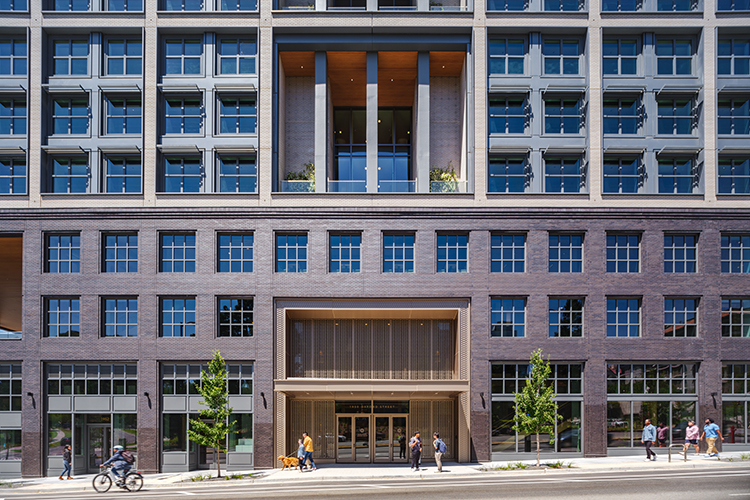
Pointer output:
x,y
67,462
121,467
415,444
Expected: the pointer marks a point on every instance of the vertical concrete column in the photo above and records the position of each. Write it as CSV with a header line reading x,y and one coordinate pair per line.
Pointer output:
x,y
422,137
372,5
594,116
321,123
710,113
372,122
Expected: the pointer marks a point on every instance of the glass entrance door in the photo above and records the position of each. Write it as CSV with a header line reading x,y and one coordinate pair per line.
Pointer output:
x,y
354,439
98,437
399,439
390,439
377,438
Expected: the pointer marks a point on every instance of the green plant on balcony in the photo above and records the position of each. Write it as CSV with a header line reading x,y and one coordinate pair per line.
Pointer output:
x,y
306,176
443,180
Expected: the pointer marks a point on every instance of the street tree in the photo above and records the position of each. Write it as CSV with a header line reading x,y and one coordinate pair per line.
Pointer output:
x,y
212,429
536,408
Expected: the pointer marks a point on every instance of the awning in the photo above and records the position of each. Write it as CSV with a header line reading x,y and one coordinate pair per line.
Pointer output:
x,y
353,389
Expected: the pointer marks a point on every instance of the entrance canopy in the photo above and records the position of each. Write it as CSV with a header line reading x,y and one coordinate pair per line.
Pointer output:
x,y
385,389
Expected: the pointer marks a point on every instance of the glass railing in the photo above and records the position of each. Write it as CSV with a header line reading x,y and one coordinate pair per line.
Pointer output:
x,y
297,186
7,334
449,5
296,4
347,186
397,186
448,186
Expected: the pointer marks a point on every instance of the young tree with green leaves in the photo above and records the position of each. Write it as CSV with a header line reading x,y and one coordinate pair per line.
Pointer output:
x,y
536,408
215,395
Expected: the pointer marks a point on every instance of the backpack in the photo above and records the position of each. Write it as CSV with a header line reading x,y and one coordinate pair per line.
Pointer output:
x,y
128,457
441,446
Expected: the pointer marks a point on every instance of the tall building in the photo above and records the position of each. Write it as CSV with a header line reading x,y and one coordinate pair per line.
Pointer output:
x,y
375,210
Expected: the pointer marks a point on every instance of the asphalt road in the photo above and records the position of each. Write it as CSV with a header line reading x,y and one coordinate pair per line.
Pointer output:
x,y
729,484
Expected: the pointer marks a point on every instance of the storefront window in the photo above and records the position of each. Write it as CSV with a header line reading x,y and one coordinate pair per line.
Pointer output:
x,y
241,437
625,420
569,428
125,430
174,429
734,422
80,424
10,444
60,432
618,424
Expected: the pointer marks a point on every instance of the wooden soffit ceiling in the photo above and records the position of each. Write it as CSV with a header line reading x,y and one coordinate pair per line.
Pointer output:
x,y
347,76
298,63
446,63
397,75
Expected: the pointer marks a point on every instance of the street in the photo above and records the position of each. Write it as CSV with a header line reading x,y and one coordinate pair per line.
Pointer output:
x,y
730,484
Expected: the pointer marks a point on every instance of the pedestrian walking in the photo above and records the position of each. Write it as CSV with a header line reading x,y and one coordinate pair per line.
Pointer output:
x,y
440,448
301,455
711,432
647,438
662,431
415,443
691,437
66,462
308,445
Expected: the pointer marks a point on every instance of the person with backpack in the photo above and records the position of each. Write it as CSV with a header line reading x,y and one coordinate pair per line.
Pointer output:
x,y
440,448
123,462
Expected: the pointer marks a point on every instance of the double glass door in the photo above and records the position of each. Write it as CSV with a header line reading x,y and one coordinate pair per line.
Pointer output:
x,y
371,438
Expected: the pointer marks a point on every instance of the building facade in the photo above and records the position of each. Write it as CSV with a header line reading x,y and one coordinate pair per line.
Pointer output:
x,y
375,210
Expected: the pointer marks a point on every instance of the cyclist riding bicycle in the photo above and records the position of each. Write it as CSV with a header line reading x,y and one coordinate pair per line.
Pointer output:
x,y
121,467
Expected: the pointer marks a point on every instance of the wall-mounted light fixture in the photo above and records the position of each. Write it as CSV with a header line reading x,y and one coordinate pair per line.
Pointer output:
x,y
265,405
484,404
148,398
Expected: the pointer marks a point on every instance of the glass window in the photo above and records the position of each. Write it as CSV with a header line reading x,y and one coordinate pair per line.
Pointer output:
x,y
12,175
344,253
123,115
237,115
235,253
652,378
71,5
623,317
183,174
120,317
70,57
238,5
674,57
237,174
62,253
18,5
621,116
676,175
122,174
10,440
70,116
507,56
622,174
565,253
734,175
183,115
178,317
507,253
60,433
680,253
235,317
734,116
562,116
13,55
183,55
735,317
508,115
237,56
124,56
507,317
561,56
13,116
508,174
507,5
291,253
398,253
120,253
676,5
10,388
125,5
675,116
241,436
735,379
733,54
177,253
183,5
510,378
174,432
565,317
740,5
680,317
735,416
452,253
625,420
125,427
62,317
621,5
620,56
562,5
735,253
563,174
623,253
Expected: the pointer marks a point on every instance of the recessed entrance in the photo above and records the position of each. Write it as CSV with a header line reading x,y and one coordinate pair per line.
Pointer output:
x,y
376,437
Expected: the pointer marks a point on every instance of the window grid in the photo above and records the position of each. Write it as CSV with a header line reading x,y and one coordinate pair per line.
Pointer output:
x,y
291,253
183,56
70,116
182,174
236,252
735,379
508,115
621,116
70,175
237,115
398,253
237,56
562,116
507,56
344,253
623,253
237,174
565,253
452,253
507,317
13,5
62,318
13,56
125,5
734,116
124,115
561,57
178,317
507,253
63,253
120,253
735,253
734,175
680,253
566,317
122,174
652,379
680,317
735,317
183,5
623,317
92,379
183,115
622,174
12,175
675,116
676,175
120,317
179,379
733,54
10,387
70,57
235,317
510,378
674,57
620,56
508,174
177,253
13,116
562,174
238,5
124,56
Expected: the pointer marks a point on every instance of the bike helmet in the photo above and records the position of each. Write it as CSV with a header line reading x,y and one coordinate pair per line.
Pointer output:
x,y
117,447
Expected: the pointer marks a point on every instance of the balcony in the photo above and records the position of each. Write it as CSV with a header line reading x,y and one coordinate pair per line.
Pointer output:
x,y
449,187
347,186
297,186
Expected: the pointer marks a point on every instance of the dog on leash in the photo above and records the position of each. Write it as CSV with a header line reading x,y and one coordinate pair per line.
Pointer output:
x,y
289,462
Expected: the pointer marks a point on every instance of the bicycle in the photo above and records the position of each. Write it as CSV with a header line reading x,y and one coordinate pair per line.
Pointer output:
x,y
103,481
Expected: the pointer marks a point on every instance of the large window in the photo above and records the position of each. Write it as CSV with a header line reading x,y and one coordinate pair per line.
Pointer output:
x,y
398,253
734,175
238,5
561,56
565,253
508,174
625,418
676,5
566,317
183,174
508,5
236,252
12,175
183,5
177,253
394,151
563,5
652,378
620,56
563,174
676,175
120,253
623,253
62,317
71,5
735,379
183,56
562,116
13,5
124,56
623,317
733,55
735,317
69,175
735,389
621,116
70,116
291,253
507,56
70,57
680,317
237,55
124,5
174,432
237,174
13,56
237,115
507,253
452,253
235,317
735,253
674,56
10,389
675,116
185,379
681,253
123,115
622,174
177,317
740,5
508,115
62,253
507,317
122,174
183,115
621,5
734,116
120,316
344,252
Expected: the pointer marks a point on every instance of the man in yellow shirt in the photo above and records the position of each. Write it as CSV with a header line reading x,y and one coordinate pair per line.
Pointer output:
x,y
307,443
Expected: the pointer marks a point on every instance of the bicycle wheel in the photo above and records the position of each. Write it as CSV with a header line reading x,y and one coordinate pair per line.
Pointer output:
x,y
134,482
102,482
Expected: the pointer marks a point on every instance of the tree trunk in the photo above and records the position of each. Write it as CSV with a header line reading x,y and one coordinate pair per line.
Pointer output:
x,y
216,459
537,449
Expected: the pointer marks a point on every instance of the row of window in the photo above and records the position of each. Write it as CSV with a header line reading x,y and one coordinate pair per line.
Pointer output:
x,y
130,5
235,252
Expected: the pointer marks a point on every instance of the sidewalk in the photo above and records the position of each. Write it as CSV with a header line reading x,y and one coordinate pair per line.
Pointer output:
x,y
334,472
